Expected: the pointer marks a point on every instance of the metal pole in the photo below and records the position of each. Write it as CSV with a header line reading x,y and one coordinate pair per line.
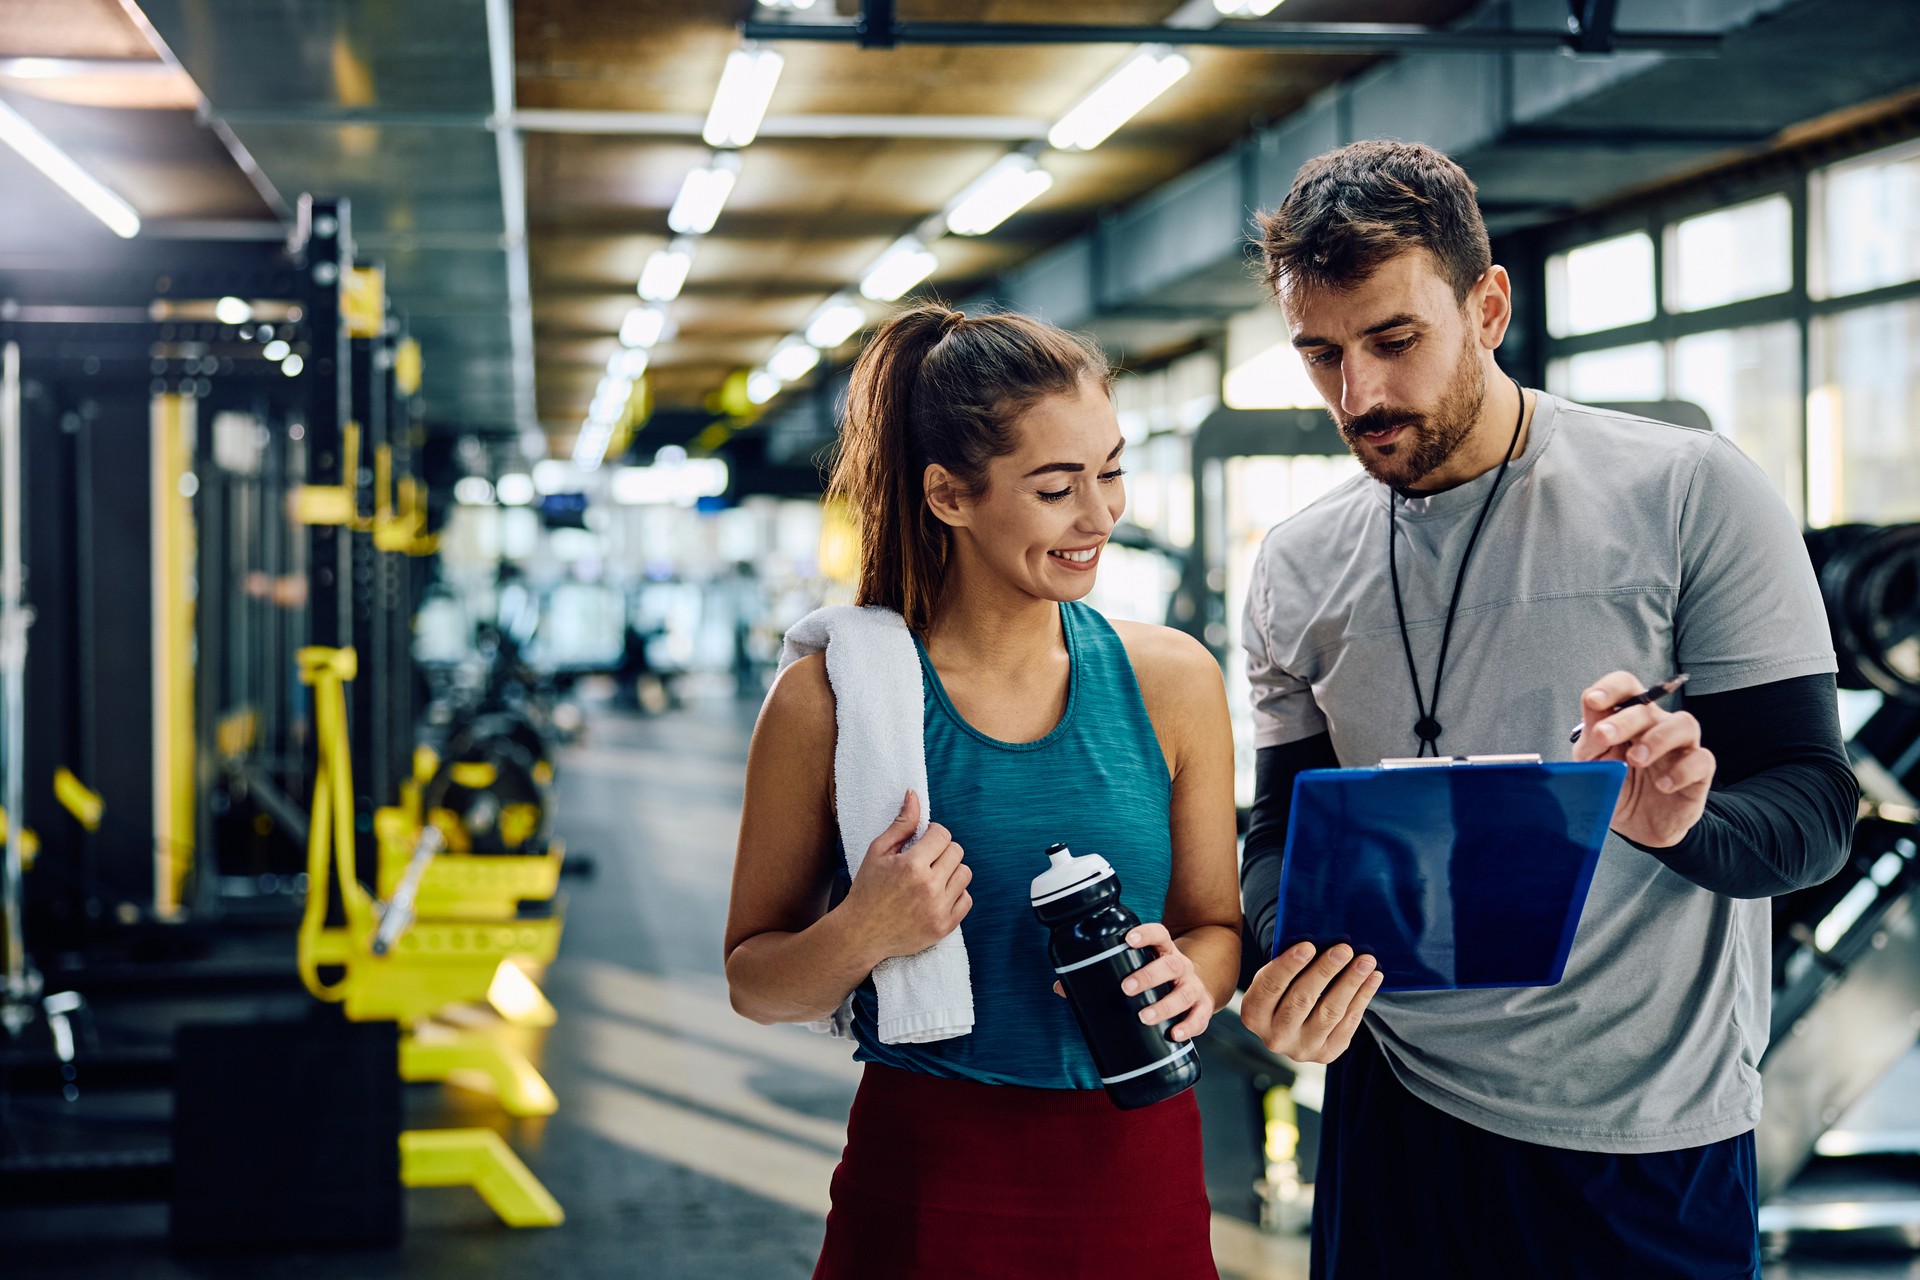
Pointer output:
x,y
22,984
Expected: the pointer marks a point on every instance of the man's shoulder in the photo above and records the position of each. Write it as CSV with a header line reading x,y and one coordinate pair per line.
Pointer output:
x,y
1593,428
1322,522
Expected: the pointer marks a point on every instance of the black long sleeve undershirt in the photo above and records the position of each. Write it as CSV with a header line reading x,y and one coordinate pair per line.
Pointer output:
x,y
1779,817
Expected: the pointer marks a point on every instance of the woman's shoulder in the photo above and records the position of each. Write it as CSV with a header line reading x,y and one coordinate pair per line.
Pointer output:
x,y
1167,662
800,705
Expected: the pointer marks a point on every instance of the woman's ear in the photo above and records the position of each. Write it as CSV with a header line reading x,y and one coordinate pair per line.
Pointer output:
x,y
946,497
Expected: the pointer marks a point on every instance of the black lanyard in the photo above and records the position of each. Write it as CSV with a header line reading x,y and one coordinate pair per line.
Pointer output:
x,y
1426,728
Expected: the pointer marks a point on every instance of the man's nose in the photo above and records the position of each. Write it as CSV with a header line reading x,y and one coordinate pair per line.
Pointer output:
x,y
1362,386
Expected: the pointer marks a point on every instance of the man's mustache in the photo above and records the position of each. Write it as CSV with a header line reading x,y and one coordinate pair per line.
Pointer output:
x,y
1374,420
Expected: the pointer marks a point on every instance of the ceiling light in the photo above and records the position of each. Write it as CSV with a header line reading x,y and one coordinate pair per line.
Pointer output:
x,y
232,311
834,321
473,491
703,195
905,264
590,446
292,366
1246,8
629,364
666,271
276,350
997,194
792,360
792,6
762,386
643,326
740,101
515,489
34,147
550,475
1150,72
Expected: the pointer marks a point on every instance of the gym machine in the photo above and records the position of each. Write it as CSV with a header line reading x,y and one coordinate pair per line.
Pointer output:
x,y
229,443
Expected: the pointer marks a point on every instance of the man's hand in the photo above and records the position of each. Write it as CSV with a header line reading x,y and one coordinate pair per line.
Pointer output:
x,y
1309,1012
1668,771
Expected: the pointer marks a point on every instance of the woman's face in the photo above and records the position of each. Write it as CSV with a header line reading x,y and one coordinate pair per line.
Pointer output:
x,y
1049,505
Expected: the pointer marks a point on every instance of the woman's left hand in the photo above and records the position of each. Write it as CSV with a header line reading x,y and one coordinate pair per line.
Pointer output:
x,y
1189,995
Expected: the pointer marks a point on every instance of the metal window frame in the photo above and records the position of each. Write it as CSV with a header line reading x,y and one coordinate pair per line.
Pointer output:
x,y
1796,303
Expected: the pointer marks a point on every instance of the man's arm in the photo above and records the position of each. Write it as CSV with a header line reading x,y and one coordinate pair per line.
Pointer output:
x,y
1266,846
1781,812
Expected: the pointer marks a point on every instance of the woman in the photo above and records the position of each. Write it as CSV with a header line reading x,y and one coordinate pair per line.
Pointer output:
x,y
981,461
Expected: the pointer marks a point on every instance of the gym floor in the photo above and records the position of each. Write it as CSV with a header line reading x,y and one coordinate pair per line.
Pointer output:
x,y
690,1143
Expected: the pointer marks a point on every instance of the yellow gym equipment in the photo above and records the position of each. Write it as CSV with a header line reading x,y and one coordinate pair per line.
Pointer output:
x,y
428,967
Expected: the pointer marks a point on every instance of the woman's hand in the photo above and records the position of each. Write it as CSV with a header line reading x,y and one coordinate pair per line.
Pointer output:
x,y
1189,995
1310,1011
905,899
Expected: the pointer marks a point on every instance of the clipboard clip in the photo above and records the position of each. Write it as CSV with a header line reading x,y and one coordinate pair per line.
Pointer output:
x,y
1431,762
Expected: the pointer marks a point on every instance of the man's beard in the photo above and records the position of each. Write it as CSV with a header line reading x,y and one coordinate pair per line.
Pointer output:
x,y
1430,439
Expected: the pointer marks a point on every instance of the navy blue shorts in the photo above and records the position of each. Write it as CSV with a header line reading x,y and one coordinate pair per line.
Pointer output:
x,y
1404,1190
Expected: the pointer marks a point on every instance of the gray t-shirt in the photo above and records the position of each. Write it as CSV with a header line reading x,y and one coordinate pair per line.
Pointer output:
x,y
1616,543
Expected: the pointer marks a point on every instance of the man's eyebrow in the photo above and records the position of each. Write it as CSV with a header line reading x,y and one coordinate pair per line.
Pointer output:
x,y
1073,467
1403,320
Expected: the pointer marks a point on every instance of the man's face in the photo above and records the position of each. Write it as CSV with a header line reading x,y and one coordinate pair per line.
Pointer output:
x,y
1398,362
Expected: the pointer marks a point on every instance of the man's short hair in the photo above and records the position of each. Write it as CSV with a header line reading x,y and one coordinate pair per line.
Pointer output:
x,y
1351,209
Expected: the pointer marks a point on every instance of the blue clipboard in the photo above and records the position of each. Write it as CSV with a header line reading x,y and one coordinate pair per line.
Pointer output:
x,y
1452,877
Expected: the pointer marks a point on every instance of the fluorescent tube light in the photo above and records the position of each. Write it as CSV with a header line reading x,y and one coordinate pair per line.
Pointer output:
x,y
792,360
740,101
590,446
834,321
666,271
629,364
996,195
1150,72
514,489
762,386
703,195
1246,8
791,6
905,264
643,327
38,151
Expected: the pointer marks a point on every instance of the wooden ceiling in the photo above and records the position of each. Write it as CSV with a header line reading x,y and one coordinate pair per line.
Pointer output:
x,y
808,215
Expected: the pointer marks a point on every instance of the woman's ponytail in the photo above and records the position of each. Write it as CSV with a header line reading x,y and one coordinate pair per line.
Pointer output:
x,y
935,386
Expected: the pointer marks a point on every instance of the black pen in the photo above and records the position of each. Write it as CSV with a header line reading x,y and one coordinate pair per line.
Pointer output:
x,y
1654,694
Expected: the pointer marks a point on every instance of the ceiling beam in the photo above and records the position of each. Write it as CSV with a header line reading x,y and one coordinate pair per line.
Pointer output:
x,y
651,124
1297,37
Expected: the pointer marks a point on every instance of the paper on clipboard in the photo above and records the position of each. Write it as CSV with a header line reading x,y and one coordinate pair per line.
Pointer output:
x,y
1451,877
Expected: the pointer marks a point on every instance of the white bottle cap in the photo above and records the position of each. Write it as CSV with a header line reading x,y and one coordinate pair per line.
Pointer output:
x,y
1068,874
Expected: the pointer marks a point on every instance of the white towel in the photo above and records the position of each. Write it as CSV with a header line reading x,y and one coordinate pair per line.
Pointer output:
x,y
878,704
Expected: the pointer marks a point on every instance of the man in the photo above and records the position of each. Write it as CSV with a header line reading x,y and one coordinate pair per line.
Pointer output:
x,y
1508,565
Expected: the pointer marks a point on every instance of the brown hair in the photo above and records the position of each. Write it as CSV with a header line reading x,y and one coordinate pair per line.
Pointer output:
x,y
936,386
1350,210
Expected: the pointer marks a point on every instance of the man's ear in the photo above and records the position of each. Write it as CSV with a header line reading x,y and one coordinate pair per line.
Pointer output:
x,y
946,497
1492,305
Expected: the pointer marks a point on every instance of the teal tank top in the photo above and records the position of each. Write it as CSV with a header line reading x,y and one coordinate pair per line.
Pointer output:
x,y
1099,782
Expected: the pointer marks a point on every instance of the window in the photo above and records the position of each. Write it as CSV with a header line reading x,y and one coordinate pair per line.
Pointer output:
x,y
1748,381
1612,375
1866,223
1863,416
1600,286
1729,255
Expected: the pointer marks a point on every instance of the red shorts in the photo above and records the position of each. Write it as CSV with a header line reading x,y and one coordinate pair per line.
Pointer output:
x,y
953,1180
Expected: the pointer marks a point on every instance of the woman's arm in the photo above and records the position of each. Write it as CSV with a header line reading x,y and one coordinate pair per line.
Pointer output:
x,y
1186,699
789,959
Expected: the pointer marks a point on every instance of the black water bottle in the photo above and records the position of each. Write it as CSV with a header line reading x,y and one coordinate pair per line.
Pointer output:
x,y
1078,900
